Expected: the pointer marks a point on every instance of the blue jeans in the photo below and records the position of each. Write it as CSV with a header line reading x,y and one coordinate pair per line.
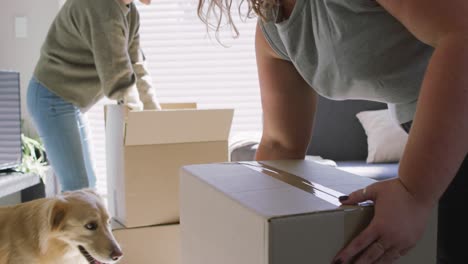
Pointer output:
x,y
63,129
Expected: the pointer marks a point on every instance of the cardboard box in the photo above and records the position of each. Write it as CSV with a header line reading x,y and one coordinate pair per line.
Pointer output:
x,y
149,245
282,212
145,150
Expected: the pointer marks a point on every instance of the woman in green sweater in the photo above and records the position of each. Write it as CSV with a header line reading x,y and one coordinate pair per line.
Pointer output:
x,y
92,50
411,54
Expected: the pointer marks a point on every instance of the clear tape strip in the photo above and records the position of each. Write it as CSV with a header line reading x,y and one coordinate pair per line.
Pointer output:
x,y
313,188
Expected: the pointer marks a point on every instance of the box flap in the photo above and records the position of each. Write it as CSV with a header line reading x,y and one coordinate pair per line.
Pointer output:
x,y
114,128
177,126
173,106
164,106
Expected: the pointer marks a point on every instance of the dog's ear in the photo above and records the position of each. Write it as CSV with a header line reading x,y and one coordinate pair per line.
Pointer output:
x,y
66,193
57,215
91,191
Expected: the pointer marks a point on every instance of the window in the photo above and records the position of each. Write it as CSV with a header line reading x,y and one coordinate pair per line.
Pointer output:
x,y
10,120
187,65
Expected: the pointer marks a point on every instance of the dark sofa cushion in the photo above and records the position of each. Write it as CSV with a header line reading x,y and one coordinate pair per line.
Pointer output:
x,y
379,171
337,133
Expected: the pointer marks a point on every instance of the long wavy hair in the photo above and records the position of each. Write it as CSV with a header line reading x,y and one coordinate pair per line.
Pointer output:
x,y
218,13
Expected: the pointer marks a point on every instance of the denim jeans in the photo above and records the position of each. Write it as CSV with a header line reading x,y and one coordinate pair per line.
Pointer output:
x,y
64,131
452,227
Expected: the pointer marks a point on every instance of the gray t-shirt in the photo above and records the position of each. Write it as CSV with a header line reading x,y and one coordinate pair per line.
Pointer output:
x,y
353,49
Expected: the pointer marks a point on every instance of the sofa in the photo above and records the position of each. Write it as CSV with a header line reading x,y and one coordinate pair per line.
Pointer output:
x,y
338,136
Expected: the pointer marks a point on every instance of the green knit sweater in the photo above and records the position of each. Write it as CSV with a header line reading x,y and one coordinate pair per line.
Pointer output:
x,y
93,50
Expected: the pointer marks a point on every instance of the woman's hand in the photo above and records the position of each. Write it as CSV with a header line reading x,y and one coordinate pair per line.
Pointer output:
x,y
399,222
131,99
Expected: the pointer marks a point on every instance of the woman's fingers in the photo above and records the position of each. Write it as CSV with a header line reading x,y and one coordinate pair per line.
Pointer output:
x,y
362,195
390,256
373,253
361,242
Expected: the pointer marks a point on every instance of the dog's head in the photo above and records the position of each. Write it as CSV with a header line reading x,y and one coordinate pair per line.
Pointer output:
x,y
80,219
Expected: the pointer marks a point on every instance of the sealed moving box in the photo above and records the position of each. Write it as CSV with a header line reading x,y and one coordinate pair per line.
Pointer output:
x,y
148,245
145,150
282,212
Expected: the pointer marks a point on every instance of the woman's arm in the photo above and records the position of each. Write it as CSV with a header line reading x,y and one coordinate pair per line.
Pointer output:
x,y
144,81
107,40
438,140
288,104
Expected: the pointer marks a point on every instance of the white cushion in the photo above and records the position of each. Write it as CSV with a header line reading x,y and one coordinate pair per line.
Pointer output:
x,y
385,139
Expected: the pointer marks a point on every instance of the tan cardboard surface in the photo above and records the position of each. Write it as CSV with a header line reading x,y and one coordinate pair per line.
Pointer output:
x,y
143,179
152,186
252,218
214,229
177,126
149,245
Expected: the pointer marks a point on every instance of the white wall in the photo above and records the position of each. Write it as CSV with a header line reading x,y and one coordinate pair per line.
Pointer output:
x,y
21,54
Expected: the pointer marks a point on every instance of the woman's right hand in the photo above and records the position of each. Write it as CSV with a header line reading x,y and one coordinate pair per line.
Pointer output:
x,y
132,99
135,106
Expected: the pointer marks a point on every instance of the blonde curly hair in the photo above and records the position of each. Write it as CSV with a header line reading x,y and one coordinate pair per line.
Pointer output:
x,y
221,12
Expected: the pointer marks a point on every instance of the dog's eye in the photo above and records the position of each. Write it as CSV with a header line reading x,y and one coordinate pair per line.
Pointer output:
x,y
91,226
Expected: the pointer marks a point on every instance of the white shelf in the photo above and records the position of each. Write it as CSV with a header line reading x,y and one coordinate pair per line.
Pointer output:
x,y
14,182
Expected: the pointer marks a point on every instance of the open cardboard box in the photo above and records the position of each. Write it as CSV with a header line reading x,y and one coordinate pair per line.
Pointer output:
x,y
148,245
277,212
146,149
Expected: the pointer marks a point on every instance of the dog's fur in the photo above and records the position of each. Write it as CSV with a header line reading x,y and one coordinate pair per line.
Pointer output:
x,y
51,230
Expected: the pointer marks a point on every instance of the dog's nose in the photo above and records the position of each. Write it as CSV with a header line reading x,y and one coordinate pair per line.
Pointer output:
x,y
116,254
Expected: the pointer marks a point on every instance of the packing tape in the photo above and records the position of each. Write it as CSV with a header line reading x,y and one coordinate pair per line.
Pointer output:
x,y
318,190
356,218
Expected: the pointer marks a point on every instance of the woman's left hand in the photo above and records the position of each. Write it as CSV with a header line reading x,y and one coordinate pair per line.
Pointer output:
x,y
398,223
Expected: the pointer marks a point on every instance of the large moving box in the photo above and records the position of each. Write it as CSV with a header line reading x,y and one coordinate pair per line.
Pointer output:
x,y
145,150
280,212
148,245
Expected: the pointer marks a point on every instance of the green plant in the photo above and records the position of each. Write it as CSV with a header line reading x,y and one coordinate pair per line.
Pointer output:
x,y
34,157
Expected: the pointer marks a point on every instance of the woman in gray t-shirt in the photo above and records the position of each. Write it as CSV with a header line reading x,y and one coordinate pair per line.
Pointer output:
x,y
411,54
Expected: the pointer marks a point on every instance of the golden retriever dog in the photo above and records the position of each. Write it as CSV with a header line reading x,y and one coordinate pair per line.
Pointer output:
x,y
72,228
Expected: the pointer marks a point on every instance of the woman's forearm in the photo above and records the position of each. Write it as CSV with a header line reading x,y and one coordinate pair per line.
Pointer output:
x,y
438,141
275,151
